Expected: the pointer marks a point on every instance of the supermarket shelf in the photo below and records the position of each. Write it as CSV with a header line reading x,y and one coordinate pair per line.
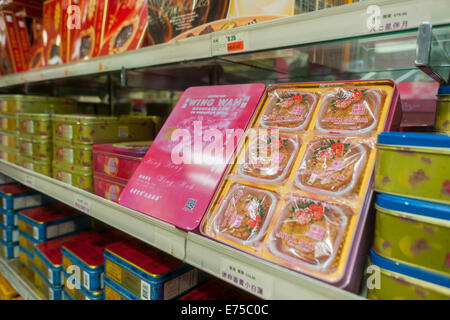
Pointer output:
x,y
201,252
277,282
18,281
157,233
344,22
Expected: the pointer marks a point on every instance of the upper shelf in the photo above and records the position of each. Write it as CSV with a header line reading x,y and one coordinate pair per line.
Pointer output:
x,y
357,22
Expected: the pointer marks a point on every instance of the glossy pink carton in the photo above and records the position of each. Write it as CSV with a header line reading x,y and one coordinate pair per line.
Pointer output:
x,y
119,160
180,173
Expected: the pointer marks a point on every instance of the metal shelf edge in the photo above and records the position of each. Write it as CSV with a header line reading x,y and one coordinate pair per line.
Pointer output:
x,y
283,284
17,282
159,234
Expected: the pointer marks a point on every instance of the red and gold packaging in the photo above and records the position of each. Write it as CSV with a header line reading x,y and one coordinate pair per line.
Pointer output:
x,y
36,29
36,55
24,39
127,32
86,42
21,3
12,57
53,33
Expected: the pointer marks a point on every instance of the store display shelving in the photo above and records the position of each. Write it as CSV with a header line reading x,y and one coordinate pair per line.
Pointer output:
x,y
205,254
336,43
14,272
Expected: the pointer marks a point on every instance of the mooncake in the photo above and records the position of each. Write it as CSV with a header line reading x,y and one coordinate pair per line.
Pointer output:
x,y
353,110
288,109
244,214
308,232
268,158
331,166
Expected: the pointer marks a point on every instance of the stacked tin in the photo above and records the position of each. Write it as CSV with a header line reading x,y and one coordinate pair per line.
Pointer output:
x,y
114,164
75,135
84,265
15,197
412,232
442,123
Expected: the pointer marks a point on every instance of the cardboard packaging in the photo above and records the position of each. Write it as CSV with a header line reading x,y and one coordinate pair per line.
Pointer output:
x,y
55,32
193,179
126,30
11,49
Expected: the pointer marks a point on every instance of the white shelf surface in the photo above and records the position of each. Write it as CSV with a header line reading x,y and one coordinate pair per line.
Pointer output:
x,y
17,281
201,252
336,23
152,231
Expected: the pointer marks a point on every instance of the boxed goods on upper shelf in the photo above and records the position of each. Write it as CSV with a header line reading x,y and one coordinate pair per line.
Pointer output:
x,y
55,32
12,47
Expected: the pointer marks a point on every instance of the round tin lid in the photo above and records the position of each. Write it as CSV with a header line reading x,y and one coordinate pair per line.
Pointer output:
x,y
413,206
430,140
444,90
408,270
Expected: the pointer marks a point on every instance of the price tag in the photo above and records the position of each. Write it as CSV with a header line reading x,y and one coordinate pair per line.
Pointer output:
x,y
229,43
29,180
247,278
82,204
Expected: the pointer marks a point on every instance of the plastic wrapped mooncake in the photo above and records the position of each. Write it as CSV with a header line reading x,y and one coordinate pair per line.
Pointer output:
x,y
245,214
289,109
308,232
331,166
268,158
350,110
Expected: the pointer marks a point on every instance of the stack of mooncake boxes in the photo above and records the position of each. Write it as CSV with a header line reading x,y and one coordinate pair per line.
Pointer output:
x,y
412,229
40,224
75,135
15,197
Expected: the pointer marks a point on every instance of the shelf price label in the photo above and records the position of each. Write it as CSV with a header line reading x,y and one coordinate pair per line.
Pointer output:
x,y
247,278
229,43
82,204
29,180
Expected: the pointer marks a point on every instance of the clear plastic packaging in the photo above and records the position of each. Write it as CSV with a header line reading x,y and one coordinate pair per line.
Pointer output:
x,y
268,158
245,214
331,166
350,110
289,109
308,232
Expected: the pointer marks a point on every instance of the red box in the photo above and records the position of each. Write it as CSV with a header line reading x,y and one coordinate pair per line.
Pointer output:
x,y
13,59
37,56
127,32
36,29
86,42
54,37
24,38
107,187
119,160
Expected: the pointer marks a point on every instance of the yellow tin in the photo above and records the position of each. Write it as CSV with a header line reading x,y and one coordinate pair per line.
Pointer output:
x,y
442,123
72,154
8,121
35,165
92,129
75,176
26,258
37,148
36,104
34,125
414,165
8,139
